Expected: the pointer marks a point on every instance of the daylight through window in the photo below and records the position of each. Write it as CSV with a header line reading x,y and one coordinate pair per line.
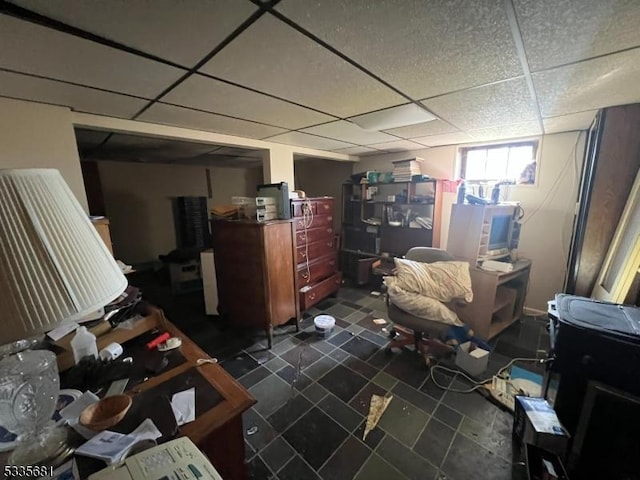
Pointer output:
x,y
505,163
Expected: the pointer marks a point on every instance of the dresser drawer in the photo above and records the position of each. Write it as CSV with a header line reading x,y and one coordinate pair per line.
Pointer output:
x,y
314,250
314,235
318,270
299,207
316,222
311,295
324,206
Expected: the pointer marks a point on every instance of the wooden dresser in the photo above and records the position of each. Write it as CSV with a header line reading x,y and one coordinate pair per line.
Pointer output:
x,y
316,251
256,272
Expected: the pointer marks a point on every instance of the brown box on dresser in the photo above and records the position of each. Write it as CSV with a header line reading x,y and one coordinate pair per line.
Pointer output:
x,y
256,270
316,250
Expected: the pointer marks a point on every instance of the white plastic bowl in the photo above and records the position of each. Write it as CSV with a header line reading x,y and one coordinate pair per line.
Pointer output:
x,y
324,325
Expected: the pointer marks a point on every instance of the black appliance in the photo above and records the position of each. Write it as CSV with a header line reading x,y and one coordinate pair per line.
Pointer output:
x,y
593,383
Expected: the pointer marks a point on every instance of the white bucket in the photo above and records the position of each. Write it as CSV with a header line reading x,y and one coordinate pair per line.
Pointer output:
x,y
324,325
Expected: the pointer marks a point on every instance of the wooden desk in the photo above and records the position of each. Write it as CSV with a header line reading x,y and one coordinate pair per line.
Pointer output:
x,y
498,299
218,432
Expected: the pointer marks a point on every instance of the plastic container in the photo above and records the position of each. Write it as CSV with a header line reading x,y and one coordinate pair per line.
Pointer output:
x,y
83,345
324,325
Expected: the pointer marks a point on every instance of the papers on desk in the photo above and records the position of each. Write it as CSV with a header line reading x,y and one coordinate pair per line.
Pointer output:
x,y
112,447
183,405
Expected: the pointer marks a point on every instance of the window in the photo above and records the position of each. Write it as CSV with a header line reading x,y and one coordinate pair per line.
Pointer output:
x,y
506,163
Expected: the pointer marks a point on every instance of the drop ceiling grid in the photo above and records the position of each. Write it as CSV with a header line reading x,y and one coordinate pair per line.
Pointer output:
x,y
205,93
34,49
353,30
171,31
84,99
349,132
180,116
559,32
429,48
293,66
310,141
492,105
588,85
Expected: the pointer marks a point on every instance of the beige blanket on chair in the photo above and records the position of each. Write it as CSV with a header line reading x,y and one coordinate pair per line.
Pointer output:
x,y
423,289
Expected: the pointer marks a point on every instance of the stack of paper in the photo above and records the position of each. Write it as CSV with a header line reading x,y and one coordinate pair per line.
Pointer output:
x,y
497,266
404,170
112,447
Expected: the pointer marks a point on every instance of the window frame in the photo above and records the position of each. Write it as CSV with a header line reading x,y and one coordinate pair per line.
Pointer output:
x,y
463,151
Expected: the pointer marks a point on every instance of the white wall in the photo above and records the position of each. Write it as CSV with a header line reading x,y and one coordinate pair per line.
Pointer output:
x,y
138,201
549,212
549,206
34,135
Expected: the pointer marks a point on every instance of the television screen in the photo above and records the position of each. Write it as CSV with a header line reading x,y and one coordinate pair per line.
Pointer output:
x,y
499,234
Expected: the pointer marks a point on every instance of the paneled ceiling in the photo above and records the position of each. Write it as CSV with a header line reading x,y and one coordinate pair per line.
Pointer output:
x,y
296,71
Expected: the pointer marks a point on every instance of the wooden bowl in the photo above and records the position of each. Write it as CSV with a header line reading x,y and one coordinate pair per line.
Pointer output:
x,y
105,413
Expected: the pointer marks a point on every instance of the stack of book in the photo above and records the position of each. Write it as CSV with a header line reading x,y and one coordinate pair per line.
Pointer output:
x,y
404,170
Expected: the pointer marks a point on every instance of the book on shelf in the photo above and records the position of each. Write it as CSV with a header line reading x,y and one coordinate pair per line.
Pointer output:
x,y
404,170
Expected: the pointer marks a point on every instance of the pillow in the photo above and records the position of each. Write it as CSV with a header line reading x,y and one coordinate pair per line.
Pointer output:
x,y
443,281
419,305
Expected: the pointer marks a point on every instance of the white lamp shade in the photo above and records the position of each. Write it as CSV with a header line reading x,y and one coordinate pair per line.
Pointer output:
x,y
54,266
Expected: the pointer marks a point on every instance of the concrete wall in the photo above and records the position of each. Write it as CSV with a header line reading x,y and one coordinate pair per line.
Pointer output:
x,y
34,135
549,206
138,200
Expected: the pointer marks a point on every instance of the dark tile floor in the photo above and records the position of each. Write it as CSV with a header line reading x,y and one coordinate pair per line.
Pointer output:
x,y
313,395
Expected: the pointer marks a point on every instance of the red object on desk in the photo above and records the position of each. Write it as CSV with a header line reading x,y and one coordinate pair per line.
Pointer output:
x,y
158,340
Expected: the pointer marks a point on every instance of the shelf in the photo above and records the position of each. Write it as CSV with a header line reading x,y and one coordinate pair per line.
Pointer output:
x,y
431,180
360,252
406,228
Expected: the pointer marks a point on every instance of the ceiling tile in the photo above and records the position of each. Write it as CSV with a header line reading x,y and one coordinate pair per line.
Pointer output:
x,y
165,28
557,32
602,82
30,48
149,149
120,140
80,99
184,117
349,132
274,58
422,48
522,129
239,152
354,150
422,129
214,96
309,141
568,123
445,139
89,138
493,105
397,146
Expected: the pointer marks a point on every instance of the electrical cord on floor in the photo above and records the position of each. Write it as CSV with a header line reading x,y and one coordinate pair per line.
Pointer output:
x,y
477,384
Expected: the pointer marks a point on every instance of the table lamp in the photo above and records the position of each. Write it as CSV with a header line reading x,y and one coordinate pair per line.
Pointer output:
x,y
54,268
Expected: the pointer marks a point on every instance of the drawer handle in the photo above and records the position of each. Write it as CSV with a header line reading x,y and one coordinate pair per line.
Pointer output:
x,y
329,218
312,296
303,254
332,262
301,223
305,276
330,244
303,238
326,206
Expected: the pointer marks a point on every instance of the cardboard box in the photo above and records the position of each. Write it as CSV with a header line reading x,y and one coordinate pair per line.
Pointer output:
x,y
536,423
472,359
